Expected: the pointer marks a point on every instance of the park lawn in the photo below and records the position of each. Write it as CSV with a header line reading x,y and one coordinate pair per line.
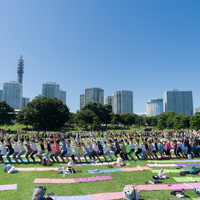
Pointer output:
x,y
25,185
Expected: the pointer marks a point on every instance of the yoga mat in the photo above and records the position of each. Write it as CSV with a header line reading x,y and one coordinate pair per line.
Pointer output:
x,y
138,168
167,171
162,161
186,161
72,197
152,187
91,179
46,180
162,165
185,179
46,169
107,196
87,164
181,186
26,169
8,187
186,164
105,171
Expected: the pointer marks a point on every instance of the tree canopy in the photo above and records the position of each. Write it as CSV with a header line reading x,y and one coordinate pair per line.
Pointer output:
x,y
44,114
7,114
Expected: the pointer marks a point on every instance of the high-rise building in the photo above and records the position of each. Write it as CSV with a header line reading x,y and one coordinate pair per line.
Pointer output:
x,y
20,70
197,109
25,101
12,94
51,90
82,101
109,100
179,101
39,95
1,95
94,95
63,96
154,107
122,101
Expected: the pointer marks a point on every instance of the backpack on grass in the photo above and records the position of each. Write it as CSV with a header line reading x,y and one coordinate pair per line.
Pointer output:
x,y
193,170
131,193
39,193
177,191
197,190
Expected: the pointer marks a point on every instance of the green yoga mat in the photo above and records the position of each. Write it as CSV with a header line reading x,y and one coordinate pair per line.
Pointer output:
x,y
162,161
167,170
187,179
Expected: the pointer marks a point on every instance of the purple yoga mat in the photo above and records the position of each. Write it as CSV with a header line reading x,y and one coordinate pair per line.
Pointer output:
x,y
190,164
185,161
8,187
90,179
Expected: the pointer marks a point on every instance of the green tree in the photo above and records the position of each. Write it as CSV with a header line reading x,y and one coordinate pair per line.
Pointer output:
x,y
161,122
82,124
44,114
154,121
177,122
105,111
96,122
148,120
139,120
86,116
169,116
7,114
127,119
71,118
195,122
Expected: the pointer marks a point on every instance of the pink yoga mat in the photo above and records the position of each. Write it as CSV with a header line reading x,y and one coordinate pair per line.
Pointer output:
x,y
8,187
152,187
26,169
46,180
180,186
138,168
107,196
91,179
46,169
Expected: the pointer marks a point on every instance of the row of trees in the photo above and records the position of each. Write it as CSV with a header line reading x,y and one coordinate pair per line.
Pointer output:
x,y
50,114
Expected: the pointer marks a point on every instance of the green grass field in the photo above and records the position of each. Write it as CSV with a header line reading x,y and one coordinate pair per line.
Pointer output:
x,y
25,185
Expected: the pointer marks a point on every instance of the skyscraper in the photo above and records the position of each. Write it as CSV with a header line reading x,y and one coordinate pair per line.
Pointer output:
x,y
197,109
20,70
12,94
1,95
154,107
25,101
51,90
39,95
179,101
94,95
82,101
109,100
122,101
63,96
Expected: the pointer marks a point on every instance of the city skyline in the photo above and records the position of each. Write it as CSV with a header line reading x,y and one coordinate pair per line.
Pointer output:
x,y
147,47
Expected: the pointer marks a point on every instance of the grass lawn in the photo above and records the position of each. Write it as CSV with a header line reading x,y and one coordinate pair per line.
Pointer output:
x,y
25,185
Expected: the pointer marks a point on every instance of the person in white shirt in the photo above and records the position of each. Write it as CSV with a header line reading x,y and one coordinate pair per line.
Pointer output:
x,y
23,151
3,149
16,150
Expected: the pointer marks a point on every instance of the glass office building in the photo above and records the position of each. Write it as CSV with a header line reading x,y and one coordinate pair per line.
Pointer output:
x,y
63,96
109,100
82,101
1,95
94,95
12,94
25,101
179,101
154,107
51,90
122,101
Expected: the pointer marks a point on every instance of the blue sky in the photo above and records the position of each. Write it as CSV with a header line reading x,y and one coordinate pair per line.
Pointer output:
x,y
145,46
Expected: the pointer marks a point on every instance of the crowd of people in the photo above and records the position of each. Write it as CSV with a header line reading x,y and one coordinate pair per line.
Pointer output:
x,y
57,147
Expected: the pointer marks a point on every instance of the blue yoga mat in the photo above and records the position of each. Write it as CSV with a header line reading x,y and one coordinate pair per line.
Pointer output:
x,y
188,164
105,171
187,161
13,161
72,198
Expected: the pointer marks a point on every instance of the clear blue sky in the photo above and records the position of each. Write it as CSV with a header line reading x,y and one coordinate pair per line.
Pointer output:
x,y
147,46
